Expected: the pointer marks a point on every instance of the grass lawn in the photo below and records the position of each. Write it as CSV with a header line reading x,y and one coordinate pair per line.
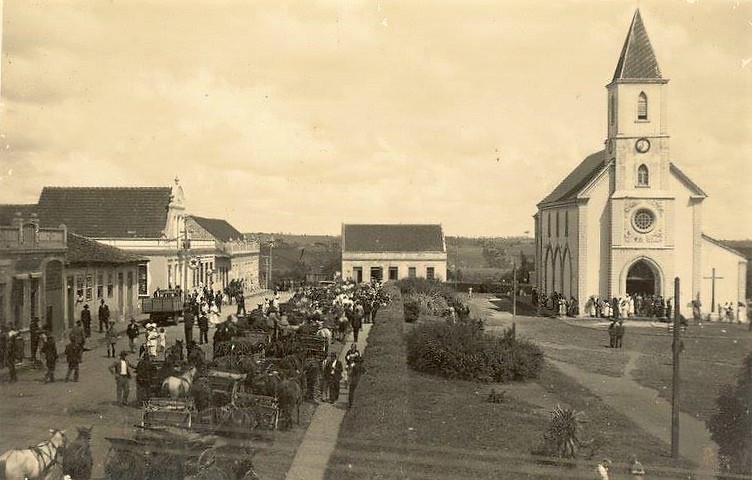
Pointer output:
x,y
605,361
406,424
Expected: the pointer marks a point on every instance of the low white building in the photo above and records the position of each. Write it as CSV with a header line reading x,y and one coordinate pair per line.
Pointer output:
x,y
393,252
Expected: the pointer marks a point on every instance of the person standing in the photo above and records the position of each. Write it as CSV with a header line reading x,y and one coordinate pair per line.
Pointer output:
x,y
10,355
240,300
355,373
619,333
35,332
77,335
203,329
335,376
218,300
188,320
86,320
111,339
132,331
104,315
122,371
73,353
49,350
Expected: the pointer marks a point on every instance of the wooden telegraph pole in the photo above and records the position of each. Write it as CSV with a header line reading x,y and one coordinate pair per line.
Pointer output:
x,y
676,347
514,291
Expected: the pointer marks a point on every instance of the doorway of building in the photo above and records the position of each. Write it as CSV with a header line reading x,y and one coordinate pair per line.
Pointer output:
x,y
53,297
642,279
393,273
377,273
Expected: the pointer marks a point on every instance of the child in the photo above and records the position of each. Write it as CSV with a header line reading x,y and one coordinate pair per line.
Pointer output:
x,y
111,339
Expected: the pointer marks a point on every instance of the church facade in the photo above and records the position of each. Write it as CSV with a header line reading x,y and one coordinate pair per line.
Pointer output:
x,y
627,220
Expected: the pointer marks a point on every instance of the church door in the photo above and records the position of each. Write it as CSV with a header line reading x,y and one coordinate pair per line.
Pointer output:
x,y
642,279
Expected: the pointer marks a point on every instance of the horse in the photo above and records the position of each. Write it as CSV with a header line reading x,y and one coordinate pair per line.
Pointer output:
x,y
290,395
178,387
34,462
78,460
267,384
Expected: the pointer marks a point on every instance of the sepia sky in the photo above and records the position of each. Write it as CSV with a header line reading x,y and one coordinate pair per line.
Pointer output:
x,y
298,116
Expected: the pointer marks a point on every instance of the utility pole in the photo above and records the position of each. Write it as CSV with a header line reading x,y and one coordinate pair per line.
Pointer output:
x,y
269,274
676,347
186,255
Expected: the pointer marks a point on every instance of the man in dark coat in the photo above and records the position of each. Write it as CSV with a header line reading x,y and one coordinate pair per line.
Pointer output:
x,y
240,300
132,331
77,335
335,376
357,323
35,332
73,353
146,372
188,321
104,316
203,329
355,373
49,350
86,320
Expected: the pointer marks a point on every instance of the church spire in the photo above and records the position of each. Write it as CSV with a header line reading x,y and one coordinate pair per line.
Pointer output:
x,y
637,60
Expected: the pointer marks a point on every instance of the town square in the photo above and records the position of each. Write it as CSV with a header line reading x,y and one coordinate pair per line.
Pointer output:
x,y
375,240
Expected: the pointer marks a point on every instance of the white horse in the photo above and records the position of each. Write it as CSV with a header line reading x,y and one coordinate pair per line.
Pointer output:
x,y
178,387
326,334
34,462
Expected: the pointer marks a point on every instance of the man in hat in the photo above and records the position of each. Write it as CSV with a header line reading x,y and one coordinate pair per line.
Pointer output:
x,y
49,350
111,338
122,371
35,332
104,315
86,320
335,376
10,355
133,332
73,353
77,335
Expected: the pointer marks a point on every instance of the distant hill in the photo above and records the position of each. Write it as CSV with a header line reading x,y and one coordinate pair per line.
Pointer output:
x,y
472,259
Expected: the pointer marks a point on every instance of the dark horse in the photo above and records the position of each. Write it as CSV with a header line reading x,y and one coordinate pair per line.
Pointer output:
x,y
77,459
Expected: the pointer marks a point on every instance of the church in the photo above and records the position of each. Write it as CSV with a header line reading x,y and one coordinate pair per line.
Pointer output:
x,y
627,220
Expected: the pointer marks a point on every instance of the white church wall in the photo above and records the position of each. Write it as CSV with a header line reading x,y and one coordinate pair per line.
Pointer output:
x,y
683,241
598,238
730,266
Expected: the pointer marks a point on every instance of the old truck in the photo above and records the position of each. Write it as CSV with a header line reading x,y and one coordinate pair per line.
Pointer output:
x,y
166,306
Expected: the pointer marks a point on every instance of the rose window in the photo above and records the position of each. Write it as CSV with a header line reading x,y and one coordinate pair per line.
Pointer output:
x,y
643,220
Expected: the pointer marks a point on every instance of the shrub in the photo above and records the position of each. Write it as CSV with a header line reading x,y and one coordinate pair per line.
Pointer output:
x,y
412,311
464,351
731,426
434,296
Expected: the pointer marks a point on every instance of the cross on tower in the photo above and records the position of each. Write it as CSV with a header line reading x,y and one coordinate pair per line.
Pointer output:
x,y
712,278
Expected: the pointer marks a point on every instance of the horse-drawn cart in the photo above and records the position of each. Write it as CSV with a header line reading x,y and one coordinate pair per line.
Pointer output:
x,y
166,454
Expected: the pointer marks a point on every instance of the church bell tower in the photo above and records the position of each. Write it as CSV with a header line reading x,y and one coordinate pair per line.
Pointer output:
x,y
642,205
638,141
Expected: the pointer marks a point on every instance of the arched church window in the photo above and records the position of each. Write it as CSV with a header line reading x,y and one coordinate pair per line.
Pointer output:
x,y
642,106
566,223
643,176
549,224
557,224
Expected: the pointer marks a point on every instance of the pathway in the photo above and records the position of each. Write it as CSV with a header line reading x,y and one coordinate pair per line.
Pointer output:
x,y
321,436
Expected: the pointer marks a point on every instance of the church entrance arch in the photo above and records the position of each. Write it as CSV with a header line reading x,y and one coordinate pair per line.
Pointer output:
x,y
643,278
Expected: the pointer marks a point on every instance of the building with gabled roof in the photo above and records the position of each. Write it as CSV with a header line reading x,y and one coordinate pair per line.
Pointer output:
x,y
393,252
627,220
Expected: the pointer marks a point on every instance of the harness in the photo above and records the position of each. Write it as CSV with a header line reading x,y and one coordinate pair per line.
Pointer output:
x,y
43,455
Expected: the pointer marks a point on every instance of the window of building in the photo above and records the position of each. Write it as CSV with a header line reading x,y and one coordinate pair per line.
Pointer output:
x,y
557,223
80,286
643,220
3,321
100,286
376,273
549,224
89,287
643,176
612,110
411,272
393,273
566,223
143,277
642,106
430,273
110,289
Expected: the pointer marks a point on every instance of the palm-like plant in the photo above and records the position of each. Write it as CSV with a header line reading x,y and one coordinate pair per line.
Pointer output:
x,y
563,434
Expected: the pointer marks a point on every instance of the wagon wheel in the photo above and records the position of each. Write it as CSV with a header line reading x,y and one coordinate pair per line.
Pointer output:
x,y
124,465
207,458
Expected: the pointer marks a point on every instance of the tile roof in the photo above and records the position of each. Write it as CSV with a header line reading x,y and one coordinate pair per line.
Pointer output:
x,y
218,228
106,212
570,187
82,250
392,238
8,212
637,60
